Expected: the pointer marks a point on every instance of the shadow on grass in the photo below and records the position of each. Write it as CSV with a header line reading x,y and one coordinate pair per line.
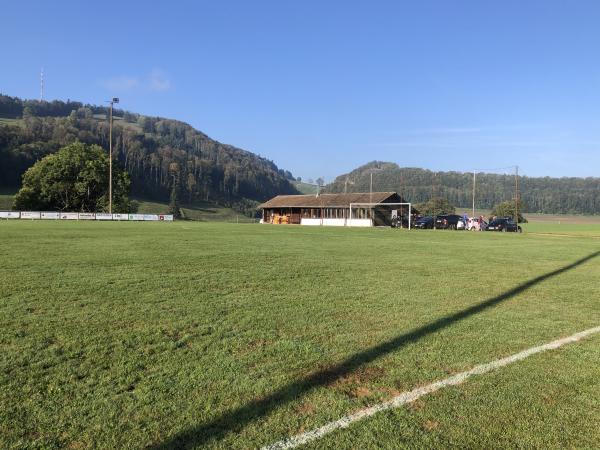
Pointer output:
x,y
237,419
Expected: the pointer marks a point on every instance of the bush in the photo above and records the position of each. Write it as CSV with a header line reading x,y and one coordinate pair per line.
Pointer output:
x,y
507,209
435,207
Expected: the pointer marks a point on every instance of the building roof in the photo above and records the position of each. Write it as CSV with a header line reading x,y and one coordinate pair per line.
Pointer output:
x,y
328,200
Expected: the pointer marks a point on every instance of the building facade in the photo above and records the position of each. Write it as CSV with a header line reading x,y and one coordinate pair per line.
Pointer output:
x,y
357,209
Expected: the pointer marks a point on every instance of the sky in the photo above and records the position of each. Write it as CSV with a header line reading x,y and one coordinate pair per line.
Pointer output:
x,y
321,87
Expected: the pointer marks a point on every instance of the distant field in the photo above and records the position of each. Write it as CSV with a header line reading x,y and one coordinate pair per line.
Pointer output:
x,y
569,229
7,121
201,211
563,219
305,188
7,197
119,121
206,335
6,202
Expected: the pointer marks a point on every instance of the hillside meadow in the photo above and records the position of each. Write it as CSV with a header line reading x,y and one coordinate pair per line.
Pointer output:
x,y
206,335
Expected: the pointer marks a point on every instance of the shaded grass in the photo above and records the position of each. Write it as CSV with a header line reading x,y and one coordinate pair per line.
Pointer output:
x,y
131,334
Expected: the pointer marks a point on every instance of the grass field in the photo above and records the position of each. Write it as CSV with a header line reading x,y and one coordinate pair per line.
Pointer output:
x,y
203,335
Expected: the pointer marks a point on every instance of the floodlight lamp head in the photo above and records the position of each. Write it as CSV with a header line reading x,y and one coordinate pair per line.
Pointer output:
x,y
115,100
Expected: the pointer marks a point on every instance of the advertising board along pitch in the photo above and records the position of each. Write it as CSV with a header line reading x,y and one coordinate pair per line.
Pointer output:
x,y
33,215
49,215
10,215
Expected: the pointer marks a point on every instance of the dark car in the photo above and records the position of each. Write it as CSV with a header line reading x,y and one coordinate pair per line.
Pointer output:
x,y
447,221
424,223
504,224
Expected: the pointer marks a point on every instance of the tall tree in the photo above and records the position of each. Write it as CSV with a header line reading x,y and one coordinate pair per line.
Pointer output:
x,y
75,178
174,207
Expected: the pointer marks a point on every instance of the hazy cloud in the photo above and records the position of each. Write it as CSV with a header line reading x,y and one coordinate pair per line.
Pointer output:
x,y
120,84
155,81
467,129
158,81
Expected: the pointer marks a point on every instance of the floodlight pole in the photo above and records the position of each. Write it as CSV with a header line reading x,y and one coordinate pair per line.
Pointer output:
x,y
110,158
517,195
473,194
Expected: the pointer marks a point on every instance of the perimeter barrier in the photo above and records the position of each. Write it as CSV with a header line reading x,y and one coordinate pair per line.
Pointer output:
x,y
46,215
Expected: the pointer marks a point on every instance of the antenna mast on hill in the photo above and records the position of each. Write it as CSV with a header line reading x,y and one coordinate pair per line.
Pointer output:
x,y
42,85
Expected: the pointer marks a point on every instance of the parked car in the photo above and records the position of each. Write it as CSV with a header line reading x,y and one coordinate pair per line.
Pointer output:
x,y
474,225
504,224
447,221
424,223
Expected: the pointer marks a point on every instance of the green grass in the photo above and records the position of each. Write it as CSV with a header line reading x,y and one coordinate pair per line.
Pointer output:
x,y
160,335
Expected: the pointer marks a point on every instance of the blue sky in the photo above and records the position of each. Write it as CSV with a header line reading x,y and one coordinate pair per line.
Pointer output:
x,y
322,87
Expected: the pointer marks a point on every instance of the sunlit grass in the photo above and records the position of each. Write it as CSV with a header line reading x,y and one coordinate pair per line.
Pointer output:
x,y
129,335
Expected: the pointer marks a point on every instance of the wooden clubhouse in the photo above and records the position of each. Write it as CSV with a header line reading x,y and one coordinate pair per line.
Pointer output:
x,y
357,209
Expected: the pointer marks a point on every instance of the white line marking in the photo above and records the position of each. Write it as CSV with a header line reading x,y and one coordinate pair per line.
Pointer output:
x,y
411,396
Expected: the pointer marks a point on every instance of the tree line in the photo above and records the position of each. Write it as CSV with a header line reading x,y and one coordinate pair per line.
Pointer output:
x,y
537,195
159,154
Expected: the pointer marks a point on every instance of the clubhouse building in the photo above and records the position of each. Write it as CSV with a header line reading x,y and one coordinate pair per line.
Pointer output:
x,y
357,209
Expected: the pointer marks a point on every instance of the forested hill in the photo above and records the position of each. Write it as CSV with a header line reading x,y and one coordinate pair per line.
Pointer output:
x,y
156,152
543,195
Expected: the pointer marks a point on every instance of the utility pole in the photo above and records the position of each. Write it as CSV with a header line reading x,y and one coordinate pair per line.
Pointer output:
x,y
371,190
432,199
42,85
110,158
473,194
517,195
